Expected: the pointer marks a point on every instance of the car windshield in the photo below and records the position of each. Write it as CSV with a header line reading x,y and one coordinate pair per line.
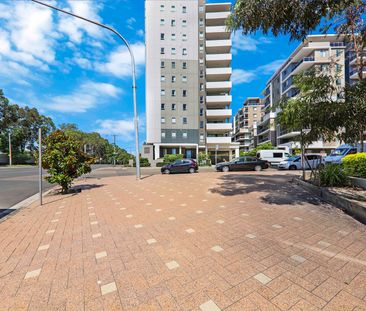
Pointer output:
x,y
235,160
339,151
291,159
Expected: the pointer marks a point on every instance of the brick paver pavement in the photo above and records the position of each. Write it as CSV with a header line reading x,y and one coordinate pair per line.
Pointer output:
x,y
206,241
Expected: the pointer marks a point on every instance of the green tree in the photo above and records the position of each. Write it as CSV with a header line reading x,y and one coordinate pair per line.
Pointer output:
x,y
253,152
64,159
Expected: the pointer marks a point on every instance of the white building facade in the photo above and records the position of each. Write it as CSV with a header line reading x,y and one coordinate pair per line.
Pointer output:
x,y
188,72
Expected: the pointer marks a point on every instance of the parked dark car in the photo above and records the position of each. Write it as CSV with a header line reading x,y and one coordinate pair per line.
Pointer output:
x,y
180,166
242,164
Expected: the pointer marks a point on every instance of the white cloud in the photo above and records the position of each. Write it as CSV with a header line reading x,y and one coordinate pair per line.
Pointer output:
x,y
85,97
140,33
124,128
247,43
119,61
241,76
75,28
130,22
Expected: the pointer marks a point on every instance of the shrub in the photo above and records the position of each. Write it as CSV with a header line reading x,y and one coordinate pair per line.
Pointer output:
x,y
144,162
170,158
64,159
23,158
332,175
355,165
161,164
204,159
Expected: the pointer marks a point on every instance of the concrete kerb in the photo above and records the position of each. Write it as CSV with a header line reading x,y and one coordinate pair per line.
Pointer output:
x,y
350,207
25,203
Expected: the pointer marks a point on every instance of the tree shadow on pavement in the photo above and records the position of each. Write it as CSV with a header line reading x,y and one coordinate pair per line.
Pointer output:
x,y
274,189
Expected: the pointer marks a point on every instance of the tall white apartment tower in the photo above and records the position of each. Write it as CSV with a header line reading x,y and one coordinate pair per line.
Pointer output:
x,y
188,71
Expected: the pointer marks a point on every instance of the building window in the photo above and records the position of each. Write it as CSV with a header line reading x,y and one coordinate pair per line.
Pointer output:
x,y
184,93
162,8
172,8
201,9
172,23
338,67
201,74
173,106
201,61
255,108
201,47
201,35
173,65
201,112
202,137
162,64
201,99
174,120
201,124
184,78
184,120
162,36
184,9
174,51
201,87
174,93
184,65
162,120
184,37
201,22
184,51
162,106
162,21
255,115
174,79
174,134
185,135
184,107
162,78
162,134
162,92
339,81
173,36
162,51
323,53
184,23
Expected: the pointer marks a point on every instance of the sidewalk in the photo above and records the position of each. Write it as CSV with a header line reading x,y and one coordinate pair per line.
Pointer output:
x,y
207,241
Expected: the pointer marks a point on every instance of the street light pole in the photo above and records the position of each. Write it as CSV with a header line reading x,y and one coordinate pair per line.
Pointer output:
x,y
40,165
10,151
138,173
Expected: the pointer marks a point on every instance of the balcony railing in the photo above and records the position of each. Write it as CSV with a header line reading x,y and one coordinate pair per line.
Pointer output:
x,y
337,44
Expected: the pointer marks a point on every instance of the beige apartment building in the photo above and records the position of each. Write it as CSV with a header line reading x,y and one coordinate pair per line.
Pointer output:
x,y
245,123
188,79
315,51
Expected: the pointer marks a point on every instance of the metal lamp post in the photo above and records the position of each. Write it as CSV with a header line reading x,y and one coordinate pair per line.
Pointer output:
x,y
138,173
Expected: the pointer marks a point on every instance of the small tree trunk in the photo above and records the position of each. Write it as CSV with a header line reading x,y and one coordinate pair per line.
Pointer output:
x,y
362,144
302,155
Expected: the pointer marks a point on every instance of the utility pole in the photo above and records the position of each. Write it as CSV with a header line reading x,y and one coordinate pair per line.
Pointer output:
x,y
10,151
114,149
40,165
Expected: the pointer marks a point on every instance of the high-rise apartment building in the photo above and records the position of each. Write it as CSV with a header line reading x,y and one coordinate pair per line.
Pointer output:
x,y
245,122
317,51
188,71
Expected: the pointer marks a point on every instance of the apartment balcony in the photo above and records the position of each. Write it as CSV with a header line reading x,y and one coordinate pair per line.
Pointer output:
x,y
285,134
218,74
220,86
217,33
218,140
216,18
218,46
353,74
219,127
219,101
218,60
218,7
218,114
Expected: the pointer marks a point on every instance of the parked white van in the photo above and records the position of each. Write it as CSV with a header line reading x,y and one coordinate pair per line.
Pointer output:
x,y
275,157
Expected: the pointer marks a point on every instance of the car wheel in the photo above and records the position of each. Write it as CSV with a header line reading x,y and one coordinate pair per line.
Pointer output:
x,y
258,168
191,170
292,167
225,169
166,171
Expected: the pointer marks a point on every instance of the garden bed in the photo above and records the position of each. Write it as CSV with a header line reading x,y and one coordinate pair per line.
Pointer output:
x,y
351,200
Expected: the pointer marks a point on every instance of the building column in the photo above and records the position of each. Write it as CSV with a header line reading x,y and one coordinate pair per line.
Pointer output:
x,y
180,150
237,152
156,151
197,153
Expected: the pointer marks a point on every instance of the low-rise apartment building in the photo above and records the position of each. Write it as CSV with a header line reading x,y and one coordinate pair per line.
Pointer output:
x,y
316,51
245,121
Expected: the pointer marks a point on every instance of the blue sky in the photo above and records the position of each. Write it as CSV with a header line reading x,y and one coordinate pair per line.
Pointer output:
x,y
78,73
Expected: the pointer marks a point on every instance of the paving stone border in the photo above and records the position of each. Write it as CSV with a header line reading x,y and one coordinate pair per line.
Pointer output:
x,y
351,207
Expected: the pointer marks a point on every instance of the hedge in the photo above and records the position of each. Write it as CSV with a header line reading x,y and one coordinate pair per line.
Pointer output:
x,y
355,165
170,158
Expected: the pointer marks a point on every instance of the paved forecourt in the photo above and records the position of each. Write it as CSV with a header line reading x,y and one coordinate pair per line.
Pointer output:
x,y
207,241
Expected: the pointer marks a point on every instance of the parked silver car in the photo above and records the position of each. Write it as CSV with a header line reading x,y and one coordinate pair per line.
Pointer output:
x,y
294,163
